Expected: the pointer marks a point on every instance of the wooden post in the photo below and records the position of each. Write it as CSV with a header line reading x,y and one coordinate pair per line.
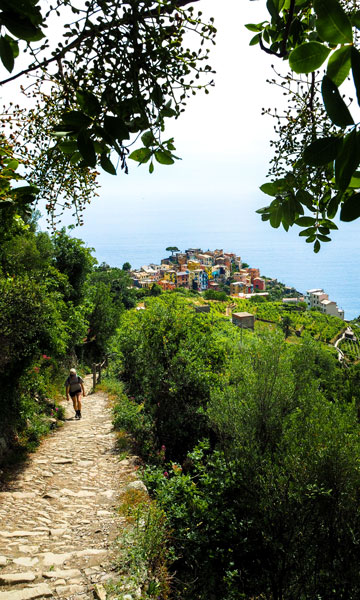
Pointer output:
x,y
94,375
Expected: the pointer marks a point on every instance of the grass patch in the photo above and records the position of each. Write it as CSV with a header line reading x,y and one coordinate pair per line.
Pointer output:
x,y
143,552
135,426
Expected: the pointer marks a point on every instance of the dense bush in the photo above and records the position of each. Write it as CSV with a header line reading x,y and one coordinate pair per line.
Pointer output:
x,y
214,295
170,359
272,511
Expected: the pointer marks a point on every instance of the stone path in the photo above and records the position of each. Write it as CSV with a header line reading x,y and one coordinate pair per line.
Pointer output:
x,y
58,519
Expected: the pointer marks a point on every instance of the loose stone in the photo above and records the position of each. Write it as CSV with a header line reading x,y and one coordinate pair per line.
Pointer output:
x,y
40,591
13,578
62,573
26,561
99,592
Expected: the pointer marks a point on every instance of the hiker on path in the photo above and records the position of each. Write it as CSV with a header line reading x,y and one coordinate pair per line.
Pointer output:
x,y
74,385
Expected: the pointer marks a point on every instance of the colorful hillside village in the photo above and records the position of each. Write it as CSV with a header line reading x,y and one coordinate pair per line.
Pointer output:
x,y
200,271
197,270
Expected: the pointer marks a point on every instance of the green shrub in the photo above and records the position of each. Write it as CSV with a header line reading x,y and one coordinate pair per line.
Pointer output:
x,y
143,549
272,512
170,359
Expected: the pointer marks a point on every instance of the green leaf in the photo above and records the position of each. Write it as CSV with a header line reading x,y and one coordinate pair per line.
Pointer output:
x,y
332,207
269,189
316,246
86,148
339,65
76,120
264,209
355,180
151,167
328,224
350,210
355,68
21,27
164,158
141,155
157,95
332,24
14,45
116,128
274,188
334,104
323,238
308,57
305,198
105,136
88,102
75,158
148,138
272,6
24,190
100,147
12,164
68,147
322,151
355,19
6,53
305,221
308,231
168,112
255,28
276,216
107,164
255,40
347,160
289,212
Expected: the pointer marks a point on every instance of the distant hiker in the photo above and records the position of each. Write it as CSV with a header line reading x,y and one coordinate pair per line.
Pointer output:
x,y
74,386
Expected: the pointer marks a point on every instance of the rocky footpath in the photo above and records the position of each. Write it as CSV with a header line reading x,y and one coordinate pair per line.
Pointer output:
x,y
58,518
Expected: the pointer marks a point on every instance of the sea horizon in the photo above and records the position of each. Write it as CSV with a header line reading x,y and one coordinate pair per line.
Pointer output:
x,y
139,234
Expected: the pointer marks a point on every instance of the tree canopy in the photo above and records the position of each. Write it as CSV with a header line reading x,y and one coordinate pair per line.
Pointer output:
x,y
121,69
316,162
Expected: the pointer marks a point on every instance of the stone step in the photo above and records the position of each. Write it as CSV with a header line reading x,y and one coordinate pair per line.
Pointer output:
x,y
39,591
14,578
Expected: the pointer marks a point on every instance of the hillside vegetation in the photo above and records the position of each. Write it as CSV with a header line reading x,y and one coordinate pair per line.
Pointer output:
x,y
250,441
252,451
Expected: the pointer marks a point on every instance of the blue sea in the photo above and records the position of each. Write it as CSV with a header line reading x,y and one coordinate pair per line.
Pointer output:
x,y
139,227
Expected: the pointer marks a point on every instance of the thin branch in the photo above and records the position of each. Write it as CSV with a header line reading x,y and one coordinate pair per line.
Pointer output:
x,y
282,52
48,61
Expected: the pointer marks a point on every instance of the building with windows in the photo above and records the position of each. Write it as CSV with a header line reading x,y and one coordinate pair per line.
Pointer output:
x,y
317,298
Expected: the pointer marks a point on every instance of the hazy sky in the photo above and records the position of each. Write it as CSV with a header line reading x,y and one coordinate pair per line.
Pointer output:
x,y
221,138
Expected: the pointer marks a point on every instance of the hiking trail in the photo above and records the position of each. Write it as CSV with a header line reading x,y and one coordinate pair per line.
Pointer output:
x,y
58,518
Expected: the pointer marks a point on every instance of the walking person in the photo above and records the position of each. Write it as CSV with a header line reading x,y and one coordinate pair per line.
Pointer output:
x,y
74,385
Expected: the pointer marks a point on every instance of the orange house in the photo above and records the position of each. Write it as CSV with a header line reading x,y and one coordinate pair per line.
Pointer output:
x,y
166,285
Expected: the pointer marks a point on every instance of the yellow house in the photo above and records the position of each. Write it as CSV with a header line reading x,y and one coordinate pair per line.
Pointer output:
x,y
193,264
209,272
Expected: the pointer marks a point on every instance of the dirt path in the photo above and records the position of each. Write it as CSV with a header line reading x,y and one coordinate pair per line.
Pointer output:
x,y
58,520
